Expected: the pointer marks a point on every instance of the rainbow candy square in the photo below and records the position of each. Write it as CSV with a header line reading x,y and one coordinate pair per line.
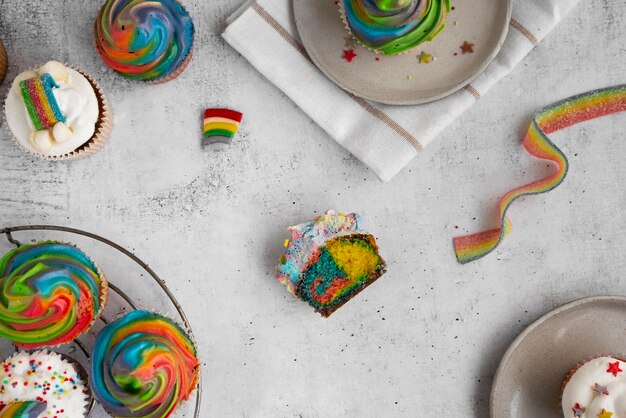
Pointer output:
x,y
220,125
41,104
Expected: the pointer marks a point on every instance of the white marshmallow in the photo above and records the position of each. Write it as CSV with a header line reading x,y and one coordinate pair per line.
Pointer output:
x,y
57,70
61,132
42,140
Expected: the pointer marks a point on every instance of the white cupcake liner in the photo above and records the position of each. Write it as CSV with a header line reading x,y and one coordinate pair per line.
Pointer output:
x,y
171,76
104,125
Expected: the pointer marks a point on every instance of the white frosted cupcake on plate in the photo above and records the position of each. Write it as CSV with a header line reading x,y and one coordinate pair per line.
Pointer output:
x,y
58,112
596,388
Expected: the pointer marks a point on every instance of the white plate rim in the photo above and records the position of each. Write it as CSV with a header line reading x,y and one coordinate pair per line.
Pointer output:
x,y
506,358
432,98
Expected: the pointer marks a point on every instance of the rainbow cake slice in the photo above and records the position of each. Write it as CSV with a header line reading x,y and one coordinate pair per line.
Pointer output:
x,y
329,261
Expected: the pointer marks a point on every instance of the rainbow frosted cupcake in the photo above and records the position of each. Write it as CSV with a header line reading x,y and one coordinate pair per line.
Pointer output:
x,y
596,388
143,365
394,26
58,112
329,261
43,384
146,40
4,62
50,293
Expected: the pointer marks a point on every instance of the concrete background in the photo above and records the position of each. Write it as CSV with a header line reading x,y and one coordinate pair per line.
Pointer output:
x,y
426,339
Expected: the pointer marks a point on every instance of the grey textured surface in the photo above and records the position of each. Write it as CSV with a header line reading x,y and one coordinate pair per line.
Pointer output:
x,y
425,340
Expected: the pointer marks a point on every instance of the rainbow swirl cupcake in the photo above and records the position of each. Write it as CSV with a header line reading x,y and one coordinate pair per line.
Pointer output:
x,y
145,40
329,261
50,294
394,26
143,365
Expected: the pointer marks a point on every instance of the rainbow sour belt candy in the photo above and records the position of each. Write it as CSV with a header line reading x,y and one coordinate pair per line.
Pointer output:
x,y
143,365
50,293
395,26
329,261
41,104
26,409
553,118
144,40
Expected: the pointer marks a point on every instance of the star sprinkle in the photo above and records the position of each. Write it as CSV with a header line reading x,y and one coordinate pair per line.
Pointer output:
x,y
614,368
425,58
600,390
578,410
605,414
349,55
467,48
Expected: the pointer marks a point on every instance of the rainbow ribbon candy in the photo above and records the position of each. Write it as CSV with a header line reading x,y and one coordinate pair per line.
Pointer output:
x,y
553,118
23,409
41,104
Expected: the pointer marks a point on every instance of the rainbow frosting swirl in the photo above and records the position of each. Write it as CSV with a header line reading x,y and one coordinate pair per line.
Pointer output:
x,y
143,365
394,26
50,293
329,260
144,40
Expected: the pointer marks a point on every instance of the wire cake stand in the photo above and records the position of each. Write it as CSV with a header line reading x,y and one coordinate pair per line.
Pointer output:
x,y
119,303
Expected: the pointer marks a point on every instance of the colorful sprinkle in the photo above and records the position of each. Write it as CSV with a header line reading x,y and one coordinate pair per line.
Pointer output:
x,y
349,55
424,58
467,48
614,368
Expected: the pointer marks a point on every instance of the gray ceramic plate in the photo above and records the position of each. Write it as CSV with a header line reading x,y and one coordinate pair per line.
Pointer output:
x,y
528,380
401,79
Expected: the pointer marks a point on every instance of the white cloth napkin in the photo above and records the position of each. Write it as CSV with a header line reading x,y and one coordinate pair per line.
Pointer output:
x,y
383,137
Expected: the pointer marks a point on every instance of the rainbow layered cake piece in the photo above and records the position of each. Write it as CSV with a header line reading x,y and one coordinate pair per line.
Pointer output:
x,y
329,261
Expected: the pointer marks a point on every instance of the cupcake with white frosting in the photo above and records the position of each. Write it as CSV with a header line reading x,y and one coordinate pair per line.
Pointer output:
x,y
596,388
58,112
46,383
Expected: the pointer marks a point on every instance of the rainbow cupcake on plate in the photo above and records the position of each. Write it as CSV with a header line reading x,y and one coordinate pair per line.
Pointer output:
x,y
50,293
329,261
394,26
146,40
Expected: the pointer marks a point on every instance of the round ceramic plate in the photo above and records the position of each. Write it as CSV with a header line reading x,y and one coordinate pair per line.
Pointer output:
x,y
528,380
401,79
